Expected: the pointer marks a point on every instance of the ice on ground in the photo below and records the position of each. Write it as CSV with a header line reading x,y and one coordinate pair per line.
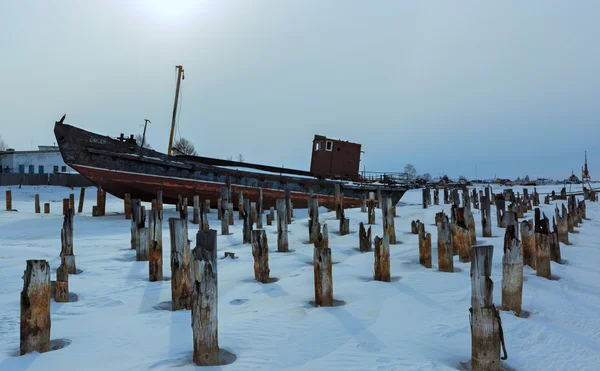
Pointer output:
x,y
419,321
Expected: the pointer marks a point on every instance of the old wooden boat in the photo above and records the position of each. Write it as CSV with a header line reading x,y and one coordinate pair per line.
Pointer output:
x,y
119,165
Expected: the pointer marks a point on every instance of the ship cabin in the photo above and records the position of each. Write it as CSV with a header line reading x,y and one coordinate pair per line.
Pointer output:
x,y
334,158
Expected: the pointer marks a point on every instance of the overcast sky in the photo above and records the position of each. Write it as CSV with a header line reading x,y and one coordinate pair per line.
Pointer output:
x,y
472,88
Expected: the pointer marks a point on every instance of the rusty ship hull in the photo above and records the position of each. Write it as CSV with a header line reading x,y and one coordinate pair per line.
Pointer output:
x,y
120,166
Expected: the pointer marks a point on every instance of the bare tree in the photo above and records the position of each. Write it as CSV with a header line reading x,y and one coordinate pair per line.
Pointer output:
x,y
240,158
184,147
229,158
410,171
3,145
426,177
138,140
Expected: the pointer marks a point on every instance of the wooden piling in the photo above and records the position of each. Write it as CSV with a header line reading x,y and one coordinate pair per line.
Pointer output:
x,y
382,259
180,264
219,209
323,239
155,263
542,245
183,213
207,206
241,206
196,210
313,221
528,243
47,208
388,221
81,200
66,239
139,231
364,237
35,308
100,202
363,203
230,213
425,198
470,224
337,200
260,252
61,286
500,211
282,226
344,228
72,202
512,271
65,206
561,225
424,247
288,204
224,211
259,209
247,227
461,237
486,221
444,244
323,277
37,204
8,200
554,244
205,299
371,211
436,196
127,206
485,319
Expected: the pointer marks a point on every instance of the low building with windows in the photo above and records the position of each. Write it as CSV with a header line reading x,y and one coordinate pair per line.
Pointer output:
x,y
47,159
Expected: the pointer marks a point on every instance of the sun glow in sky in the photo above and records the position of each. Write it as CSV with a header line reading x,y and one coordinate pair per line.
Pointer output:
x,y
173,11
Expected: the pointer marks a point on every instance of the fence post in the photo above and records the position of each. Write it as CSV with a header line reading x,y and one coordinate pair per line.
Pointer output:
x,y
35,308
260,252
282,226
180,264
512,271
205,299
485,319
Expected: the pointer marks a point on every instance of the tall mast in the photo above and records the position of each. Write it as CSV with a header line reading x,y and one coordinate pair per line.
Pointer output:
x,y
180,76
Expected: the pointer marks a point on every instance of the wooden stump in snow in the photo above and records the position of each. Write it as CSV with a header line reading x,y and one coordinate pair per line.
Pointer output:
x,y
288,204
47,208
382,259
219,209
470,224
446,197
425,198
205,299
554,244
466,199
66,239
323,277
337,198
344,224
371,211
247,227
364,237
444,244
224,211
9,200
500,211
203,221
455,197
196,210
180,264
72,202
61,286
206,206
461,237
100,202
414,226
155,270
485,318
37,204
253,212
511,219
313,222
271,216
139,231
260,252
475,199
127,206
388,221
230,213
424,247
542,245
323,238
512,271
528,243
183,212
65,206
562,225
282,226
363,203
436,196
241,206
35,308
486,221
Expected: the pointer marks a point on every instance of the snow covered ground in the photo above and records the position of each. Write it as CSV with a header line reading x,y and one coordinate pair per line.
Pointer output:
x,y
419,321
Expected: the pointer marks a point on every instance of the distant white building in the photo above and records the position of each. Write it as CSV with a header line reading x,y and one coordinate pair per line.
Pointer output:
x,y
47,159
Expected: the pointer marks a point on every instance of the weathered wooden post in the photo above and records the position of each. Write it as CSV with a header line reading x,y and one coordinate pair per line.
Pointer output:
x,y
205,299
455,197
260,252
363,202
528,243
461,237
8,200
424,197
554,244
139,232
241,206
414,226
183,213
436,196
81,199
288,204
207,206
371,211
230,213
562,227
379,197
512,271
66,239
466,198
72,201
180,264
500,211
247,227
155,270
382,259
224,211
37,203
323,239
219,209
253,212
313,222
444,243
65,206
470,224
511,219
61,286
344,223
475,199
388,221
259,209
100,202
35,308
196,209
446,196
364,237
542,245
424,247
282,226
536,198
486,221
127,206
485,318
203,220
47,208
323,277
